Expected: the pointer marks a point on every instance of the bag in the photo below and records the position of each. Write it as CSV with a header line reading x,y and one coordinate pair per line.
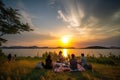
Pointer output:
x,y
39,65
89,66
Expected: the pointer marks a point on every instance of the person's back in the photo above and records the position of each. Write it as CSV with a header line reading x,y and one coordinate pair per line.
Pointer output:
x,y
48,61
73,63
9,57
83,60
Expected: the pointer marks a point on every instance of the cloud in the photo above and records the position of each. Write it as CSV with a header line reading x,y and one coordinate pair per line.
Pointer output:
x,y
87,20
72,20
71,13
99,19
28,38
105,9
26,18
61,15
52,2
111,41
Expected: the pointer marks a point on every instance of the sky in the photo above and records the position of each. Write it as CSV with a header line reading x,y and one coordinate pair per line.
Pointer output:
x,y
82,22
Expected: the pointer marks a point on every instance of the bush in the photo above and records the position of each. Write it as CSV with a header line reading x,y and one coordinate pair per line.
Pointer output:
x,y
1,53
110,59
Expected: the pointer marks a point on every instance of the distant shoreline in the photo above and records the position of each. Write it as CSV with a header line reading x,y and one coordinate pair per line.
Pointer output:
x,y
36,47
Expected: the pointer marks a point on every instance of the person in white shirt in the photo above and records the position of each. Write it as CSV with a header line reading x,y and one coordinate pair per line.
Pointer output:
x,y
84,63
83,60
60,57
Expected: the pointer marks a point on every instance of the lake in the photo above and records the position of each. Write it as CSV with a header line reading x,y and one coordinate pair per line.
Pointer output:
x,y
77,52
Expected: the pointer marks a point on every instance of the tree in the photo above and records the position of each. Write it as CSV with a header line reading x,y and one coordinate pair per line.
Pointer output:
x,y
10,22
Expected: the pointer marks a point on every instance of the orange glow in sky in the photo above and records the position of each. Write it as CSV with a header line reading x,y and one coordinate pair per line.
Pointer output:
x,y
70,23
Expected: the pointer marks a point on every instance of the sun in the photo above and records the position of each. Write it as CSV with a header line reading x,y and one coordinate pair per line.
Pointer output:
x,y
65,39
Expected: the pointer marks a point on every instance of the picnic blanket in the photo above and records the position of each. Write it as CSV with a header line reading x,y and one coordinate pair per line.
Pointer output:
x,y
62,67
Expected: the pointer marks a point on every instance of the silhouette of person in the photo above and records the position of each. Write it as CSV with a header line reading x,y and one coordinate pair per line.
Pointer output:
x,y
9,57
48,62
60,57
73,63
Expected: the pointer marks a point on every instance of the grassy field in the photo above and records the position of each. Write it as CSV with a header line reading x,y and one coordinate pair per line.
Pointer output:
x,y
24,69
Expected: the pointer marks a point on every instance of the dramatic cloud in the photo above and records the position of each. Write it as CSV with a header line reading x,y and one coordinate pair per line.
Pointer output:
x,y
96,18
28,38
111,41
90,22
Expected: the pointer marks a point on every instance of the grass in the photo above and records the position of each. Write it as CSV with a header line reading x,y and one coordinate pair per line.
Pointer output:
x,y
104,68
24,69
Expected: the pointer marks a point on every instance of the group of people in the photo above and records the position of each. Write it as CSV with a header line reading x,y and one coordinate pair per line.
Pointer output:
x,y
11,57
78,65
74,64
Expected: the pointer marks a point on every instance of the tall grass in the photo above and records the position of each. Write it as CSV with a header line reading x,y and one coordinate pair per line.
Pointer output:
x,y
24,69
110,59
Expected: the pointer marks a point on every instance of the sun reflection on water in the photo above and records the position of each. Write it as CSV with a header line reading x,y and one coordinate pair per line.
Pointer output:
x,y
65,53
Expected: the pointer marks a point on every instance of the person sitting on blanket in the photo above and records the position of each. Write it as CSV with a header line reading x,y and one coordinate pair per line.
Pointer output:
x,y
73,63
83,60
60,57
48,63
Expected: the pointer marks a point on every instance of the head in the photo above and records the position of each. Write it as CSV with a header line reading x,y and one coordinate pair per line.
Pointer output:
x,y
60,52
49,56
73,56
82,54
9,54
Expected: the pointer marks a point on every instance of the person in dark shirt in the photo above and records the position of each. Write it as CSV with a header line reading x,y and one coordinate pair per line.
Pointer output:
x,y
9,57
73,63
48,62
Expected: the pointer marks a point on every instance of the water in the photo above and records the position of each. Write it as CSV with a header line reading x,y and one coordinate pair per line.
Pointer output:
x,y
77,52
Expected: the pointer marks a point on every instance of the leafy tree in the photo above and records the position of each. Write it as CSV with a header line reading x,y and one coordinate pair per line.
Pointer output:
x,y
10,22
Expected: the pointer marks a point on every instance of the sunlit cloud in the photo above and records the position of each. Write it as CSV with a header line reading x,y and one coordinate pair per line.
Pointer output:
x,y
85,19
30,38
88,21
72,15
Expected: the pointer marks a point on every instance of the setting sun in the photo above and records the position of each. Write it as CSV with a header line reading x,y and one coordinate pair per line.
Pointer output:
x,y
65,39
